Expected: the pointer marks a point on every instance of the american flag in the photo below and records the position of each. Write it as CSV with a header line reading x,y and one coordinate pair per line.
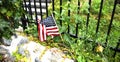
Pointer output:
x,y
47,27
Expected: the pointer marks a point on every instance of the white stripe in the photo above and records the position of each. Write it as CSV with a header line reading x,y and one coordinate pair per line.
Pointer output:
x,y
41,36
52,33
54,30
44,32
51,27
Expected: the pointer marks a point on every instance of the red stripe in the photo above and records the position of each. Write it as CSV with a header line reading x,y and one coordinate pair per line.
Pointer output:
x,y
39,31
43,32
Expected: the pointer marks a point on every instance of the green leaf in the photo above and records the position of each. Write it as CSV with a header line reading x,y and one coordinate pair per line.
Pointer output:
x,y
3,10
9,13
67,38
62,29
80,59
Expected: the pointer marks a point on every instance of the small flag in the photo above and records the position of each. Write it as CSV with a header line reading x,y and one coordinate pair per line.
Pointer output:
x,y
47,27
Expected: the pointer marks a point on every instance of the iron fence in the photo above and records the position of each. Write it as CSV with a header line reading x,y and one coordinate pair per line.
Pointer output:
x,y
28,7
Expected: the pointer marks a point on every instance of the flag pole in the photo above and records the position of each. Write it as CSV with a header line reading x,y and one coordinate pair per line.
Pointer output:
x,y
57,26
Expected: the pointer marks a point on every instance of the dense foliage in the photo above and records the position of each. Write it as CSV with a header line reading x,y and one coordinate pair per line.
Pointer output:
x,y
10,14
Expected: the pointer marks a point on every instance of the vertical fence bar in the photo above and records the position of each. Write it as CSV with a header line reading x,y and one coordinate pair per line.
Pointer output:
x,y
99,17
46,8
35,13
78,14
40,9
69,15
24,20
88,15
53,7
60,12
30,11
35,10
25,5
109,27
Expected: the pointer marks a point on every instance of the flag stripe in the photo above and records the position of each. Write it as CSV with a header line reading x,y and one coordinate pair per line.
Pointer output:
x,y
53,33
51,27
39,30
41,35
44,32
53,30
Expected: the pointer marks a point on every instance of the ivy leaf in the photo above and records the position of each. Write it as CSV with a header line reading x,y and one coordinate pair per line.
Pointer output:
x,y
67,38
57,14
9,13
77,18
80,59
3,10
17,4
63,29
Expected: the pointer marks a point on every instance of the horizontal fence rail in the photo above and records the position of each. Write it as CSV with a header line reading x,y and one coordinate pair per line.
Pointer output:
x,y
39,8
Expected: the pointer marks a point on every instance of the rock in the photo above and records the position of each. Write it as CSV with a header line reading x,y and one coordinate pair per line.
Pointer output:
x,y
3,50
39,53
17,42
5,55
7,51
32,51
55,55
37,60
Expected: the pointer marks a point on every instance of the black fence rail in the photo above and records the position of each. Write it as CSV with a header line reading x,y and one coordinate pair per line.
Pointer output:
x,y
43,10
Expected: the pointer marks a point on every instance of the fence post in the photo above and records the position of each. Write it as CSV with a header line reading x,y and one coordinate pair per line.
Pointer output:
x,y
78,14
53,7
99,16
24,22
25,5
69,14
30,11
60,12
109,27
40,9
23,18
88,15
46,9
35,10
